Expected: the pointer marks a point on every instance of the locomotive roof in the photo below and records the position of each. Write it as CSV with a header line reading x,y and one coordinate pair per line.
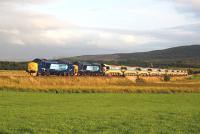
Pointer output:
x,y
51,61
88,63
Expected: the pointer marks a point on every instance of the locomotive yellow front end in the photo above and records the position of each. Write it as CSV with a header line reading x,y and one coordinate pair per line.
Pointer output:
x,y
33,68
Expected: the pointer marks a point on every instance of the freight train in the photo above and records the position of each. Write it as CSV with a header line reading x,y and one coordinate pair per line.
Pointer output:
x,y
53,67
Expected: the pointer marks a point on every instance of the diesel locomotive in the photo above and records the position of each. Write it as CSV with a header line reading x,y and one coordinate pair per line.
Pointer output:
x,y
49,67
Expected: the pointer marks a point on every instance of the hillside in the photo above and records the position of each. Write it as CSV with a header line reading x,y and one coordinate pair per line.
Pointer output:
x,y
184,56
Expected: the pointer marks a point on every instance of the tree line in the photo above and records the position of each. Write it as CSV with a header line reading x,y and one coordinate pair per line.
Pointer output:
x,y
6,65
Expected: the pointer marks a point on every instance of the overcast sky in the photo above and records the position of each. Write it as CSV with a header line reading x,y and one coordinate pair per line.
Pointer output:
x,y
62,28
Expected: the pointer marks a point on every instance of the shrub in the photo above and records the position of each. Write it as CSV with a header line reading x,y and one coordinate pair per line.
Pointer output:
x,y
167,78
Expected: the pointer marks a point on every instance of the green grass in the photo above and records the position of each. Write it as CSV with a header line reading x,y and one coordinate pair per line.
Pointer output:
x,y
196,77
27,112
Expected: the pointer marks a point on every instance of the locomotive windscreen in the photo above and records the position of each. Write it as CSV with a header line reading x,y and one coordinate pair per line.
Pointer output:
x,y
59,67
93,68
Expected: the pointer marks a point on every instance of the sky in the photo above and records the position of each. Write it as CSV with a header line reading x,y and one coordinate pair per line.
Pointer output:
x,y
63,28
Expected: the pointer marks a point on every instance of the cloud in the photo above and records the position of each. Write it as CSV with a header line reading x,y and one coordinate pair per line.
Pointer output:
x,y
24,1
178,36
189,6
26,34
193,3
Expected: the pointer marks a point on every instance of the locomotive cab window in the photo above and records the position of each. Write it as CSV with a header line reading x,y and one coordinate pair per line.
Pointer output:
x,y
91,68
59,67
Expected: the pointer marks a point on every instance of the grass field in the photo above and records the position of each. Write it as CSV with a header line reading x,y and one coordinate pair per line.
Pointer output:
x,y
42,107
196,77
28,112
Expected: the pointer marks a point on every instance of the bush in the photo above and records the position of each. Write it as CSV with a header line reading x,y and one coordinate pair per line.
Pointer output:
x,y
140,80
167,78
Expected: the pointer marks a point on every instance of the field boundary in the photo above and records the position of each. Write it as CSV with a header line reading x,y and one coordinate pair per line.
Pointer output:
x,y
106,90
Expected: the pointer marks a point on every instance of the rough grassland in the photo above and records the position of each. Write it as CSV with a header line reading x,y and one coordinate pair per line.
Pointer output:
x,y
21,81
28,112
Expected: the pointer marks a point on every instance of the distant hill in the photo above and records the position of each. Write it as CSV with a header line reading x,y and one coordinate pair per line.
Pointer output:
x,y
184,56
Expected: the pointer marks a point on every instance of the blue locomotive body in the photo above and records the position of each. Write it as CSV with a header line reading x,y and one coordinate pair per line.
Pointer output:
x,y
85,68
49,67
